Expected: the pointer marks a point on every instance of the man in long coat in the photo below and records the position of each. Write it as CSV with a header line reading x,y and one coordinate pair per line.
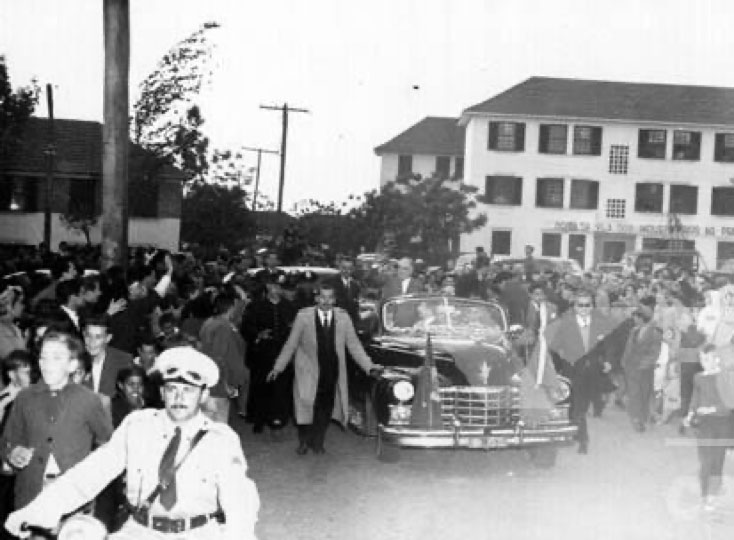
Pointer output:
x,y
319,340
579,339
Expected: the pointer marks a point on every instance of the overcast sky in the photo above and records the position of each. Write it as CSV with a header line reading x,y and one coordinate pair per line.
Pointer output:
x,y
354,64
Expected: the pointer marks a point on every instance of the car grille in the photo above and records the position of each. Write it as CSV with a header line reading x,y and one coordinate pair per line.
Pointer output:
x,y
493,406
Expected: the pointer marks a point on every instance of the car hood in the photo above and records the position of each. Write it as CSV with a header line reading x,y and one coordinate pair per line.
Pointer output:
x,y
481,363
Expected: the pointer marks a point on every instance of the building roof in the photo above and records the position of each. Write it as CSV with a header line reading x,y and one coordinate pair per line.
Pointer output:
x,y
78,150
432,135
606,100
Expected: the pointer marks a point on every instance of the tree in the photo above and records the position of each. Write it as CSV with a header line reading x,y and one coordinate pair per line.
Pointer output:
x,y
166,119
425,216
215,217
79,219
15,109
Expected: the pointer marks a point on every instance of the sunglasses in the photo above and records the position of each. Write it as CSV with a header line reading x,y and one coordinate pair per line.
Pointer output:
x,y
583,305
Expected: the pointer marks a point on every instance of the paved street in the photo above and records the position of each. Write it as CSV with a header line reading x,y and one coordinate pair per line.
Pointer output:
x,y
630,486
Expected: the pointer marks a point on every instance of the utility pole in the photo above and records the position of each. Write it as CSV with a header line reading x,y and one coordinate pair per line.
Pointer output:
x,y
50,164
115,138
285,109
257,171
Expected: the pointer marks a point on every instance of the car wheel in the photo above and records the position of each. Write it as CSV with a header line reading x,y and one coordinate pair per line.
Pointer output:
x,y
386,452
543,457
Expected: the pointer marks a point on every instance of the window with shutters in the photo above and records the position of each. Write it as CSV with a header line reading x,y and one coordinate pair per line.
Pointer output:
x,y
724,147
649,197
619,159
503,190
587,140
722,201
459,168
616,208
651,144
405,166
549,193
507,136
551,245
443,166
501,242
584,194
552,139
683,199
687,145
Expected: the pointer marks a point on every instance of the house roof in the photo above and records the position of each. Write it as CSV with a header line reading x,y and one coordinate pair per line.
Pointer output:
x,y
607,100
78,150
432,135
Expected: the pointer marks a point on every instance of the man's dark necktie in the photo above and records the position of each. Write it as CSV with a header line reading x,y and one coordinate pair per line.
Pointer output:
x,y
167,472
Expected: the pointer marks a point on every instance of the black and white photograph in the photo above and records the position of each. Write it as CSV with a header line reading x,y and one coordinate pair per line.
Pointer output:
x,y
357,270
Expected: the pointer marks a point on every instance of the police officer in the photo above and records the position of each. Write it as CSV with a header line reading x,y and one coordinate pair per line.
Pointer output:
x,y
185,474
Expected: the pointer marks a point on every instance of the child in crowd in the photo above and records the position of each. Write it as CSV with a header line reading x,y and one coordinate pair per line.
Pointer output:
x,y
54,422
712,417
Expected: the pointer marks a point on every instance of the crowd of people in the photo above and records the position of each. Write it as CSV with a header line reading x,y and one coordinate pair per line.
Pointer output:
x,y
82,352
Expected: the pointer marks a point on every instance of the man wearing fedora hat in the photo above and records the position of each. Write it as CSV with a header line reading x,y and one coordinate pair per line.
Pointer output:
x,y
185,473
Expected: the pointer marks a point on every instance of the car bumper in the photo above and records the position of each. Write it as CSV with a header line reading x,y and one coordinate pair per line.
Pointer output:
x,y
478,437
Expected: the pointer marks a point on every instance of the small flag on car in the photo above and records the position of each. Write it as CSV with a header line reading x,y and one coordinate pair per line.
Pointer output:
x,y
426,411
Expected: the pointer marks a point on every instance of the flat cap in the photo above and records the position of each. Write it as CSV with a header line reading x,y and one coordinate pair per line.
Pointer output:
x,y
187,365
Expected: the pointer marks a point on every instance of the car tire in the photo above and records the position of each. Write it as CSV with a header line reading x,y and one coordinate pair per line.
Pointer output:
x,y
386,452
543,457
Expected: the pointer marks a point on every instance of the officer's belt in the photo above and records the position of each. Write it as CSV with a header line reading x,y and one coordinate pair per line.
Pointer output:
x,y
172,525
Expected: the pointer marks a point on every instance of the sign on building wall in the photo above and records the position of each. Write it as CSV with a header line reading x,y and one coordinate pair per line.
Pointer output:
x,y
644,229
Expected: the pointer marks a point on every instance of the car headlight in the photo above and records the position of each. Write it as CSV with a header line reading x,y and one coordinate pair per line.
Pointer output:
x,y
403,390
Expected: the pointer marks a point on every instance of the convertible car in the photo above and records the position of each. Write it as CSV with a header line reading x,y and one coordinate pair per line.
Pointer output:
x,y
452,379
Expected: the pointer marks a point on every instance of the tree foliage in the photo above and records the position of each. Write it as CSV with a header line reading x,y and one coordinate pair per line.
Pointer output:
x,y
166,118
16,106
423,215
215,216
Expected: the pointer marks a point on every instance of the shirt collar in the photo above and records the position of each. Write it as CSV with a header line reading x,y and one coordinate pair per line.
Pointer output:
x,y
72,315
190,428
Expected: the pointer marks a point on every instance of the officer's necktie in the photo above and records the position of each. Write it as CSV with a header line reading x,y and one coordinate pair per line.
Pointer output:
x,y
167,472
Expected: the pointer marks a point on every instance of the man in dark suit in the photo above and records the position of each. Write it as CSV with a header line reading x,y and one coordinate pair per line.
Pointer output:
x,y
579,341
404,282
347,289
70,296
106,361
638,361
319,340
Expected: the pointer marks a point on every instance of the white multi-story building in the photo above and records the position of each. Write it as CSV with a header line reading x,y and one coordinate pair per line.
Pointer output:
x,y
591,169
433,145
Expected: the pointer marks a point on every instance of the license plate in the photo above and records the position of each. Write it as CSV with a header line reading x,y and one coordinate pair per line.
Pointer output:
x,y
487,442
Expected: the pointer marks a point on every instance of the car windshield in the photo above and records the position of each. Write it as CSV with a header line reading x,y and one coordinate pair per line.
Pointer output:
x,y
444,316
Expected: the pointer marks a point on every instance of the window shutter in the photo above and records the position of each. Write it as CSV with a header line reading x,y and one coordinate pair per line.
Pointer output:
x,y
719,147
520,137
593,195
518,190
696,143
493,133
543,139
596,141
488,188
641,143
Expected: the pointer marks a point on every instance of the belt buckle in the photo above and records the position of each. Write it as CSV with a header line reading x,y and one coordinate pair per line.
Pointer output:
x,y
177,525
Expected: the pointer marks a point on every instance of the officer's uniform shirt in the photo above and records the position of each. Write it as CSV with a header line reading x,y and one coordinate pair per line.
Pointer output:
x,y
213,476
